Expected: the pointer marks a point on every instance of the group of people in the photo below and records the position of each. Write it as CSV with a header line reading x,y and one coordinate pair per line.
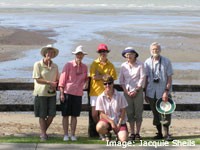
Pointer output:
x,y
111,110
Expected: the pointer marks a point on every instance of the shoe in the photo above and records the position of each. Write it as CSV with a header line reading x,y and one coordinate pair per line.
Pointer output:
x,y
66,138
132,137
102,137
108,136
73,138
43,138
138,137
117,138
158,136
168,138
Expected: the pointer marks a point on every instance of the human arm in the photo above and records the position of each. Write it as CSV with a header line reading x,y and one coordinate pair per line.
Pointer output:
x,y
167,88
112,123
62,81
121,117
145,87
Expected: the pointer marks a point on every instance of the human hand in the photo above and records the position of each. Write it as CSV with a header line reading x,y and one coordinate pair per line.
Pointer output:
x,y
53,84
62,97
114,127
132,94
165,96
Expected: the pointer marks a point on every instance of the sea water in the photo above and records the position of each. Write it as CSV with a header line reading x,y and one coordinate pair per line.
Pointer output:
x,y
78,19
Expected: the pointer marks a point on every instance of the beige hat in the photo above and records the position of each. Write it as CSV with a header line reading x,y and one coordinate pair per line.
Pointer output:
x,y
44,50
79,49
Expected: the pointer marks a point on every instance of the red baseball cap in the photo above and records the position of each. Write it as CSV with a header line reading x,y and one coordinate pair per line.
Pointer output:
x,y
102,47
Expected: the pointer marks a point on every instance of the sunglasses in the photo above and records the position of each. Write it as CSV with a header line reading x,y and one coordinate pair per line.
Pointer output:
x,y
103,51
107,83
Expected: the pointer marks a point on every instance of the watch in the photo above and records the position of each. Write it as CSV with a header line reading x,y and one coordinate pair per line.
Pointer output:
x,y
167,90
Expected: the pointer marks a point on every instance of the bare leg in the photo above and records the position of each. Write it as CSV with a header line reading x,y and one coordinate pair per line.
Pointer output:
x,y
49,121
73,125
132,127
138,126
65,123
122,135
43,127
166,130
102,127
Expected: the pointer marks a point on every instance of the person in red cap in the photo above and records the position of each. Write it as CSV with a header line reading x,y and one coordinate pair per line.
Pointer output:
x,y
99,70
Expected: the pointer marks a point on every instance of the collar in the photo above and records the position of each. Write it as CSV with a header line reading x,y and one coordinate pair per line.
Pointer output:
x,y
75,64
44,65
136,62
114,93
98,60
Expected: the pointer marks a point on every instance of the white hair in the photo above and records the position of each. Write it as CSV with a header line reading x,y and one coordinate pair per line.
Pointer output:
x,y
155,44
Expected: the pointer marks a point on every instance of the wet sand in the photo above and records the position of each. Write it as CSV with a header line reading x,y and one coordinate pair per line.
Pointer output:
x,y
13,42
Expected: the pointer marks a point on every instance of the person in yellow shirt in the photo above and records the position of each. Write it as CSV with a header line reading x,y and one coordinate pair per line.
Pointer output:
x,y
100,69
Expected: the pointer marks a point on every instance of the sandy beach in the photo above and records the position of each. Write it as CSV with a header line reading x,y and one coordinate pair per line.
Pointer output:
x,y
20,124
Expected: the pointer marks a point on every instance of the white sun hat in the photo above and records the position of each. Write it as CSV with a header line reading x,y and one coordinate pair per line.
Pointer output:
x,y
79,49
165,107
48,47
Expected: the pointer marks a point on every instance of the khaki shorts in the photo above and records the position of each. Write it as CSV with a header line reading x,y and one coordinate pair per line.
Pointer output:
x,y
45,106
134,109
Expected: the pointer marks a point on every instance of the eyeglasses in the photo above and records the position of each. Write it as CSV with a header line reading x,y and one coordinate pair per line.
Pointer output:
x,y
107,83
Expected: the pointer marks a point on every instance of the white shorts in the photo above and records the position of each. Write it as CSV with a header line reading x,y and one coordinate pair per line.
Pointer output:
x,y
93,100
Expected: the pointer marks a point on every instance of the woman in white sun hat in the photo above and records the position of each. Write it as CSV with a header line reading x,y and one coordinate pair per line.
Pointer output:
x,y
46,76
71,84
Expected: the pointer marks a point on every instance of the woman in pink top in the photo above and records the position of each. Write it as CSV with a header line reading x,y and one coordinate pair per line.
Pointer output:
x,y
131,78
71,84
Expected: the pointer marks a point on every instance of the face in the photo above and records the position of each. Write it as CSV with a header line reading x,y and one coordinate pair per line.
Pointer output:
x,y
103,54
79,57
155,51
130,56
108,86
49,54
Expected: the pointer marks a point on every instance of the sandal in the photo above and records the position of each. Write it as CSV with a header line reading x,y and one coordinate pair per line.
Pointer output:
x,y
132,137
168,138
108,136
138,137
43,138
158,136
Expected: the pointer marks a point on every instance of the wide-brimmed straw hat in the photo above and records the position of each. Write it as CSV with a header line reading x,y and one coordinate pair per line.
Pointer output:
x,y
79,49
102,47
129,50
165,107
48,47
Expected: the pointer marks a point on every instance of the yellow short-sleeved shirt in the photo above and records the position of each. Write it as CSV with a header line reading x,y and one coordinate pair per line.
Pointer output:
x,y
40,70
96,86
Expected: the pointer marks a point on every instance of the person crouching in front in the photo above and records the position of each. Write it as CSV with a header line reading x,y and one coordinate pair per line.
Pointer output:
x,y
111,106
